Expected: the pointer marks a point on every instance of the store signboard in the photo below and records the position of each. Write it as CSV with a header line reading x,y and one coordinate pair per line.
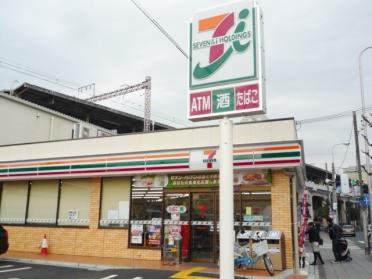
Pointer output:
x,y
150,181
225,69
193,180
242,178
253,177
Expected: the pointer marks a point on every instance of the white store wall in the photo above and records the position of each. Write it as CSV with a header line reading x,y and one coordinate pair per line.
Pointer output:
x,y
204,137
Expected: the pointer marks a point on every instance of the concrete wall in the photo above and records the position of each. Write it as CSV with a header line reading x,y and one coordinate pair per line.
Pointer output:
x,y
20,124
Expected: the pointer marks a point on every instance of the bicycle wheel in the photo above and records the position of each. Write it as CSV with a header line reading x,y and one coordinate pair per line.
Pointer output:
x,y
268,264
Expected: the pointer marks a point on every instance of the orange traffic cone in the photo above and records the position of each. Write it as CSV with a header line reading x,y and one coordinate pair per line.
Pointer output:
x,y
44,246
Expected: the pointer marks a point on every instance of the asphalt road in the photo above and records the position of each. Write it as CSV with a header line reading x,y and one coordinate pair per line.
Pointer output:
x,y
17,270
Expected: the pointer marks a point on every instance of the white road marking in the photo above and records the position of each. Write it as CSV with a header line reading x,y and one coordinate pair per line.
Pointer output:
x,y
360,241
6,266
138,278
110,276
15,269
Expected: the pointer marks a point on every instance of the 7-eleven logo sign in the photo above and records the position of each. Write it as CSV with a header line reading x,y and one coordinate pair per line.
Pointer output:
x,y
207,159
222,45
211,158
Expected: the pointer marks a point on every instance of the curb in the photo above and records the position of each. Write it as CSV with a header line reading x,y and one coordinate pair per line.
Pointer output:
x,y
65,264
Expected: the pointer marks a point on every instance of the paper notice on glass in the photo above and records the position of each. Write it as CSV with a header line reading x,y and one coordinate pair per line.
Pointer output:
x,y
175,216
112,214
248,210
72,214
136,234
124,210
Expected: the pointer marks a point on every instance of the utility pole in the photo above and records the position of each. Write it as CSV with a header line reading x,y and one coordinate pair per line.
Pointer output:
x,y
366,145
327,183
334,195
360,179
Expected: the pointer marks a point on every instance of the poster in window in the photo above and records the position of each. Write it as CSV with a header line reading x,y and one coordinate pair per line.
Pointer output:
x,y
154,234
136,232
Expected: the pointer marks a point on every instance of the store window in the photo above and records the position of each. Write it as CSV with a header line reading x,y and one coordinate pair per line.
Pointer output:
x,y
43,202
74,202
256,210
115,202
13,202
146,213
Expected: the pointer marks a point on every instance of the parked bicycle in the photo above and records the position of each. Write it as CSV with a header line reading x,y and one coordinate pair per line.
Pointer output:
x,y
260,249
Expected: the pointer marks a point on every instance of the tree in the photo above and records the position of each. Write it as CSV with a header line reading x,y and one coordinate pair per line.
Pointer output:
x,y
322,212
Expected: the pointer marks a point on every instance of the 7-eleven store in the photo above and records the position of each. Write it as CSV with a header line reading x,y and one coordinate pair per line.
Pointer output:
x,y
124,196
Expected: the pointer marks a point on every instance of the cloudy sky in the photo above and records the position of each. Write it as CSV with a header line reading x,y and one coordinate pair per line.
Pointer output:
x,y
312,50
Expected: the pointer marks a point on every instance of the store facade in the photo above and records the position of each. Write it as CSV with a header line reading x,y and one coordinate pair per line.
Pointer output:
x,y
125,196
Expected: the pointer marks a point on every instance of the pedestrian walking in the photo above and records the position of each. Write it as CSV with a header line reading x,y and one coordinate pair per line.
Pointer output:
x,y
314,239
335,234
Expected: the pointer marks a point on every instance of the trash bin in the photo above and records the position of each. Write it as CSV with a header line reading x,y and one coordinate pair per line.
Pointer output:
x,y
275,242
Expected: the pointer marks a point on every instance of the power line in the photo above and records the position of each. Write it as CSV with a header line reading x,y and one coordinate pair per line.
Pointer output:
x,y
347,148
36,76
28,71
161,29
22,67
330,116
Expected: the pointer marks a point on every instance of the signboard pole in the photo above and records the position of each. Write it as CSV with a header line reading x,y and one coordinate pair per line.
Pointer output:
x,y
226,200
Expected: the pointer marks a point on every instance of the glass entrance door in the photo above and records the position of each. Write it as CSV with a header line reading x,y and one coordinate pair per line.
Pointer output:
x,y
203,212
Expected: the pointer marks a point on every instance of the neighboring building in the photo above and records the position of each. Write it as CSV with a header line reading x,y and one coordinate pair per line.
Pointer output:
x,y
319,184
126,195
101,116
23,122
352,172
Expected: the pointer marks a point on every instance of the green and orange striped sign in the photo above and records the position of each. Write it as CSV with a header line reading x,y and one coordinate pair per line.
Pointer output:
x,y
284,155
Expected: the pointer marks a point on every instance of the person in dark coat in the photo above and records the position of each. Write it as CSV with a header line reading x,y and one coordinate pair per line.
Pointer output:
x,y
335,234
314,239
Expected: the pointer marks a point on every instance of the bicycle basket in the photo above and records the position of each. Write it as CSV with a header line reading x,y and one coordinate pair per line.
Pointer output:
x,y
260,248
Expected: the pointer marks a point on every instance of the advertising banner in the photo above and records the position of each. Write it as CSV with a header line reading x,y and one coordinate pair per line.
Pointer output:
x,y
225,69
243,178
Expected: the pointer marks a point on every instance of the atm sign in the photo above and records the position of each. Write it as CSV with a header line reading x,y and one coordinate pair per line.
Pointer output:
x,y
241,99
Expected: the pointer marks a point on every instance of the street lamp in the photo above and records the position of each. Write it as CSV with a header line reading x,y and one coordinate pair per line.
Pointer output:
x,y
334,194
366,149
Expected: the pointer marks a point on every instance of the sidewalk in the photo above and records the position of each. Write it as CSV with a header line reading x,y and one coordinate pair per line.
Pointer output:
x,y
99,263
360,267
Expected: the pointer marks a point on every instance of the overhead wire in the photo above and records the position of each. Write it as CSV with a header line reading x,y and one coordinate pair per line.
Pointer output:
x,y
36,76
161,29
331,116
25,70
22,67
348,146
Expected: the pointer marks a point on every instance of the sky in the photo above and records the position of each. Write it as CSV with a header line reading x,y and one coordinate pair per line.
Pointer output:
x,y
311,59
